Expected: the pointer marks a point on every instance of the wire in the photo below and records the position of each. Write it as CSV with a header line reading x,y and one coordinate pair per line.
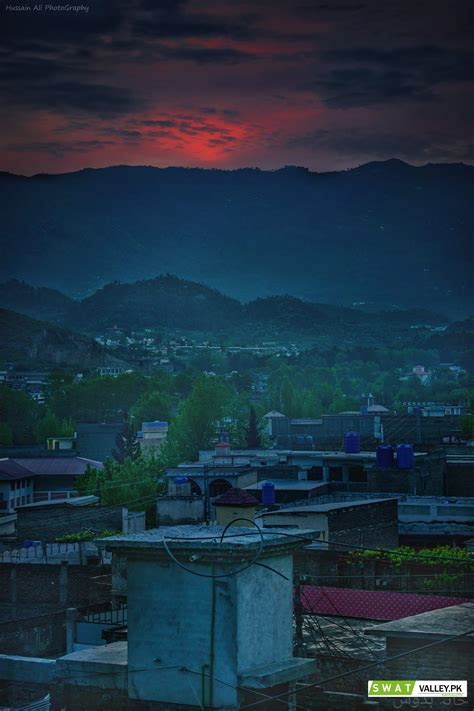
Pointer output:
x,y
220,575
367,666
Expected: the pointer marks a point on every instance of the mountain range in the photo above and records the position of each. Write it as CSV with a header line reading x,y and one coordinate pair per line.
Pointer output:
x,y
383,235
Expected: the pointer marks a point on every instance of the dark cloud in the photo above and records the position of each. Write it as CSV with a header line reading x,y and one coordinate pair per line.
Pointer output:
x,y
57,148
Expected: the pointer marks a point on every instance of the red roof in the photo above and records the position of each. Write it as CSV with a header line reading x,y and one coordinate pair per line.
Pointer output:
x,y
223,444
371,604
236,497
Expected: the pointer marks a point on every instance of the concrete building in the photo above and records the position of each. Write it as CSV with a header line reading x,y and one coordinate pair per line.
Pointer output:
x,y
27,480
198,640
152,436
97,440
370,522
374,425
450,660
235,505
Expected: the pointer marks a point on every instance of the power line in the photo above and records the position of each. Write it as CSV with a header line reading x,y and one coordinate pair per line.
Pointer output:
x,y
367,666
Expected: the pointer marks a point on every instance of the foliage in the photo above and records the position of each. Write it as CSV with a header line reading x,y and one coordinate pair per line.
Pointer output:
x,y
127,445
52,426
195,426
87,535
254,440
134,484
6,436
99,399
20,412
438,556
152,406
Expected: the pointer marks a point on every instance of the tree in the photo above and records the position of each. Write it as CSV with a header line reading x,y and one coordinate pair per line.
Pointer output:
x,y
6,437
20,412
127,445
152,406
195,426
133,483
253,433
52,426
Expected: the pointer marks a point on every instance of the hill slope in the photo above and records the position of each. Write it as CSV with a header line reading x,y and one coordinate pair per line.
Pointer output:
x,y
384,233
24,339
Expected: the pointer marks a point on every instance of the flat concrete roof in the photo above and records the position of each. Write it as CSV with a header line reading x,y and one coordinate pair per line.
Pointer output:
x,y
286,485
324,508
445,622
207,539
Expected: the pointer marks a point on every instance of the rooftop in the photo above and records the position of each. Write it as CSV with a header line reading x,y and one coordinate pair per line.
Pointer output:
x,y
208,540
376,604
445,622
325,508
58,466
236,497
287,485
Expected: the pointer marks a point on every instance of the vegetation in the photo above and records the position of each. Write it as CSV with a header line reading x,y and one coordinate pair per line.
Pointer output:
x,y
134,484
87,535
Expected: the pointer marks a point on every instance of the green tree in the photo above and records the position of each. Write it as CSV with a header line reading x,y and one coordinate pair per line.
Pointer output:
x,y
195,426
134,484
127,445
253,433
52,426
19,412
152,406
6,436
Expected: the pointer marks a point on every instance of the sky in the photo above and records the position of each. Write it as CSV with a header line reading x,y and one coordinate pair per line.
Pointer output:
x,y
326,84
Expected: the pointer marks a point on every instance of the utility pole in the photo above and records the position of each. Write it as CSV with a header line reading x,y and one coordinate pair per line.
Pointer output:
x,y
298,620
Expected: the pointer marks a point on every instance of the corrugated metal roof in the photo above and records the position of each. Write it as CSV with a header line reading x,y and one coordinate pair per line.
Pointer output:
x,y
11,470
57,466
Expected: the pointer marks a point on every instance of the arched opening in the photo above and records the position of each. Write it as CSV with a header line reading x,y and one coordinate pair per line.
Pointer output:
x,y
195,488
218,487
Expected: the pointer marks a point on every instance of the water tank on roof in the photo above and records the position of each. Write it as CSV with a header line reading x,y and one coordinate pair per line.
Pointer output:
x,y
363,410
268,493
384,456
352,443
309,439
300,439
405,456
180,480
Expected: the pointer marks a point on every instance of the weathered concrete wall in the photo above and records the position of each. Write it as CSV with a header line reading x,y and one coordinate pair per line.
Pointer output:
x,y
374,525
47,524
186,509
451,660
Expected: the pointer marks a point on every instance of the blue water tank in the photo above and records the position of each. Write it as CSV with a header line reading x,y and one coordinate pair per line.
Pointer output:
x,y
300,439
384,456
405,456
268,493
180,480
352,443
363,410
309,439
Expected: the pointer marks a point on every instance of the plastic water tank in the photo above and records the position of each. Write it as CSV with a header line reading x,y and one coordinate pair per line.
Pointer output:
x,y
384,456
300,439
268,493
178,480
405,456
363,410
309,439
352,443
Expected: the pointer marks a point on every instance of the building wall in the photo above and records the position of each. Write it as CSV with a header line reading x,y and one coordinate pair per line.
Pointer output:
x,y
451,660
427,478
374,525
96,441
179,510
460,480
226,514
47,523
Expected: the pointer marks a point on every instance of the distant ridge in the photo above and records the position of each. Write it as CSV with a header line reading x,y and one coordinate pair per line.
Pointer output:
x,y
386,233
